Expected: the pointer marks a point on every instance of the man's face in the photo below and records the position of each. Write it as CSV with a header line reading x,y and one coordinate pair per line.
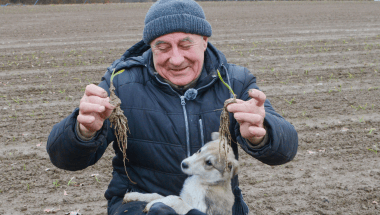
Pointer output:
x,y
178,57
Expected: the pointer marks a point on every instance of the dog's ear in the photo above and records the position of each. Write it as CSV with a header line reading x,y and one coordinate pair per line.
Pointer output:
x,y
214,135
233,167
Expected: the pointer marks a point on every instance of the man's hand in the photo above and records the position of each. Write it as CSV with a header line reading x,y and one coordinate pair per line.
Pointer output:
x,y
94,108
250,115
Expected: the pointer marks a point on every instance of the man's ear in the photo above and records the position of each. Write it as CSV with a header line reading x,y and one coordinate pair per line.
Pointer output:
x,y
205,41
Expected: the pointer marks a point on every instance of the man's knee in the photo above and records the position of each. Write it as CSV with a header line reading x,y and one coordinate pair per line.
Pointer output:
x,y
117,207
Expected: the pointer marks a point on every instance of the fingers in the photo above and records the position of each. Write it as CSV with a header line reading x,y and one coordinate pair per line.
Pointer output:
x,y
93,90
250,115
253,119
250,106
258,96
91,122
239,106
257,131
97,104
87,108
89,125
85,119
250,131
251,125
93,111
94,108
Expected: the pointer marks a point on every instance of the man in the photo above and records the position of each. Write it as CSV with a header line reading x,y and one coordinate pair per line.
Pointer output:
x,y
172,97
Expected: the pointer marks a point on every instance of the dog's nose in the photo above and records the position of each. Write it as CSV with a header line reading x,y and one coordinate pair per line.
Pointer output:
x,y
184,165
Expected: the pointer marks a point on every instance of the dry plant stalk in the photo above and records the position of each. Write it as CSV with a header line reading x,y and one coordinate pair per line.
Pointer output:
x,y
224,131
120,123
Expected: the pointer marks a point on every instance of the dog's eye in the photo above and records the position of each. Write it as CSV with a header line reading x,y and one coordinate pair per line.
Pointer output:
x,y
208,163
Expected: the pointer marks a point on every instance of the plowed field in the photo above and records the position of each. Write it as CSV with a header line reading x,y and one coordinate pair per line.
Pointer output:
x,y
317,62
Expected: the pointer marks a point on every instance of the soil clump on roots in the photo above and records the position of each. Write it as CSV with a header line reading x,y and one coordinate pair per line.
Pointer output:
x,y
120,123
224,131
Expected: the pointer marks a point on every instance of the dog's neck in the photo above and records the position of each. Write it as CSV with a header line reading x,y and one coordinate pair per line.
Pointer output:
x,y
219,187
220,183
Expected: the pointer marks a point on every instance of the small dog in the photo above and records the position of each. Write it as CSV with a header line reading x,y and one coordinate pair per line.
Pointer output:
x,y
208,188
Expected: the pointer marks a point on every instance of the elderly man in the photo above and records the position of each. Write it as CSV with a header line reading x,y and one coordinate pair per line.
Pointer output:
x,y
172,97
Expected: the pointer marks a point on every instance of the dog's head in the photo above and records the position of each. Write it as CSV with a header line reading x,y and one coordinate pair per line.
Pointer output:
x,y
207,164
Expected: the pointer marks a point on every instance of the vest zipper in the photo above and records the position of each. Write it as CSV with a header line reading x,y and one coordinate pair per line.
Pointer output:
x,y
183,103
201,131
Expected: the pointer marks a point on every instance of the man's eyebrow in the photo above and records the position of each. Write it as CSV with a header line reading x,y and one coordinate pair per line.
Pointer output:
x,y
159,43
187,39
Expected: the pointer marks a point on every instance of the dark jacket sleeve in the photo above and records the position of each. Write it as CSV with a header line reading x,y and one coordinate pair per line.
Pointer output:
x,y
282,137
67,151
65,148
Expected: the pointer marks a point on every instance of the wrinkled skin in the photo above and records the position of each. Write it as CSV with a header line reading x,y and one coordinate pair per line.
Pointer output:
x,y
178,57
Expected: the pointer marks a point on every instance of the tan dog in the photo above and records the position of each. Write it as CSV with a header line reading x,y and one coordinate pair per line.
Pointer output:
x,y
208,189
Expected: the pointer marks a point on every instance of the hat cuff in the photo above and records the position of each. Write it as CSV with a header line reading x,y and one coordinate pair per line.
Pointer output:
x,y
176,23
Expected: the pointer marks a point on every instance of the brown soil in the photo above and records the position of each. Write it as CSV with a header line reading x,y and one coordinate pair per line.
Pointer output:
x,y
317,62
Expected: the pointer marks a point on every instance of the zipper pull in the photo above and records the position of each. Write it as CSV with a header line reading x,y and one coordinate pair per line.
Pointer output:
x,y
183,102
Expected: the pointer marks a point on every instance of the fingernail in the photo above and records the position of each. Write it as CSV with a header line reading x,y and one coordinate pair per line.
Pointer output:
x,y
101,108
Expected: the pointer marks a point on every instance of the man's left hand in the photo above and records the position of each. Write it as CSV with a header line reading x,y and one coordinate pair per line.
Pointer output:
x,y
250,115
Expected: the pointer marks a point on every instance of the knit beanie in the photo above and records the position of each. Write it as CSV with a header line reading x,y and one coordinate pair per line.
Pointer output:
x,y
168,16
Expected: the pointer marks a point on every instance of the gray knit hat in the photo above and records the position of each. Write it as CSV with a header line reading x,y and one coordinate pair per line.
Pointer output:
x,y
167,16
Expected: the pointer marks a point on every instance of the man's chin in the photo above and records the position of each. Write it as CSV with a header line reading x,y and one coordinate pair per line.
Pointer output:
x,y
180,78
181,81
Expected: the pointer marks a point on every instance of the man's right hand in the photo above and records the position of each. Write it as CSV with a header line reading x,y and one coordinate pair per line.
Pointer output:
x,y
94,108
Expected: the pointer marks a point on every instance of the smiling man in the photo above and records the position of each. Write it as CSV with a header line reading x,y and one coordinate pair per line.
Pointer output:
x,y
178,57
172,97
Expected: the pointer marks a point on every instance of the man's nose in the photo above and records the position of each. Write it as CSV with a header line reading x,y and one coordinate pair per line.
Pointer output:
x,y
176,58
